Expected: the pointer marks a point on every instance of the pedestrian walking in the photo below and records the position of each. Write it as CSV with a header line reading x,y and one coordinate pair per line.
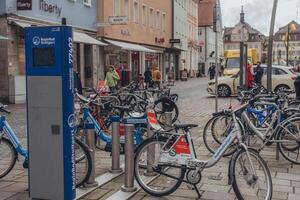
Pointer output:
x,y
258,74
156,76
111,79
212,72
148,77
250,73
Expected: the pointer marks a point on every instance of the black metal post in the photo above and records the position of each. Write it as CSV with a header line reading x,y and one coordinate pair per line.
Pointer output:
x,y
246,64
288,45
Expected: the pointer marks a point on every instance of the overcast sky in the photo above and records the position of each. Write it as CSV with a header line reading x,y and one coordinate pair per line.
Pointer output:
x,y
258,13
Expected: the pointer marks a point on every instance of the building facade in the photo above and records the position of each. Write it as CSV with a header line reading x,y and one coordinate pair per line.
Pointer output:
x,y
191,61
138,33
16,15
180,32
207,36
280,45
254,38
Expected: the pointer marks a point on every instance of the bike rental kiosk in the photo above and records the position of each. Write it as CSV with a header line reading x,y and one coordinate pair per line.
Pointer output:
x,y
50,112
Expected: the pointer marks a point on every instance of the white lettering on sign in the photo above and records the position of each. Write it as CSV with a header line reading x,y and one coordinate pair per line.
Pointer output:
x,y
44,41
70,44
51,8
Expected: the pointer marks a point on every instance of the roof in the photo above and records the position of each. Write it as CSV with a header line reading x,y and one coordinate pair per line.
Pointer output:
x,y
250,29
206,12
284,29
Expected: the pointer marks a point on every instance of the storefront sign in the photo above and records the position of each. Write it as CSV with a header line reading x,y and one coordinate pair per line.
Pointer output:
x,y
173,41
118,20
24,4
50,8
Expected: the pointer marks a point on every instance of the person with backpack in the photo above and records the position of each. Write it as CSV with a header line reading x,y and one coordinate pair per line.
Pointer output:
x,y
258,74
156,76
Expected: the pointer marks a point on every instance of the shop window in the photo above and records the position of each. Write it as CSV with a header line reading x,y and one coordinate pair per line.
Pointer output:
x,y
116,7
136,12
87,3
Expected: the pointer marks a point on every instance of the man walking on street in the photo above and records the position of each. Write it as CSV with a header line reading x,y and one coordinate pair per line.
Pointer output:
x,y
258,74
212,72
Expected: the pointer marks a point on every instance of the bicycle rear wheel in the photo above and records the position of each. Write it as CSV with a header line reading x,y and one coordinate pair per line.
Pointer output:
x,y
251,178
83,162
8,156
157,180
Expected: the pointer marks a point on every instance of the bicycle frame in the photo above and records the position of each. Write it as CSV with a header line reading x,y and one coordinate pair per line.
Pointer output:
x,y
6,128
88,118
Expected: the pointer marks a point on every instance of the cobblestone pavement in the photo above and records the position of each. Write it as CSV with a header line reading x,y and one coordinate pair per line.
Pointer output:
x,y
195,107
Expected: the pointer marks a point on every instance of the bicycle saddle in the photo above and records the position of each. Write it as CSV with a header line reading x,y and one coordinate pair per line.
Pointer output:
x,y
185,126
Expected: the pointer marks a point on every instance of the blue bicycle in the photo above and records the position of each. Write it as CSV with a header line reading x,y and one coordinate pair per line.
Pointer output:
x,y
11,147
140,120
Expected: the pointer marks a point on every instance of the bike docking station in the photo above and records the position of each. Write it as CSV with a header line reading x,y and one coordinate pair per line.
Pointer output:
x,y
50,112
130,187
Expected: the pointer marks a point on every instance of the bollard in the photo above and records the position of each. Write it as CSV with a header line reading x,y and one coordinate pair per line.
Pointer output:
x,y
115,151
129,159
90,141
150,156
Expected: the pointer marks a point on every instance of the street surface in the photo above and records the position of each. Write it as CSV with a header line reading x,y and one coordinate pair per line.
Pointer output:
x,y
195,107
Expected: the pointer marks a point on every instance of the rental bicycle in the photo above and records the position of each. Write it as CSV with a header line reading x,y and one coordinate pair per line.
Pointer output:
x,y
172,159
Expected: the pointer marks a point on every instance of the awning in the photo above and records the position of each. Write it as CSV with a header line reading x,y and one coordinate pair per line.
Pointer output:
x,y
86,39
22,24
129,46
78,36
3,37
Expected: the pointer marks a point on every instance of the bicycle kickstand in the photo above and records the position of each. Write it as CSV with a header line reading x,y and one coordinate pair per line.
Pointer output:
x,y
197,190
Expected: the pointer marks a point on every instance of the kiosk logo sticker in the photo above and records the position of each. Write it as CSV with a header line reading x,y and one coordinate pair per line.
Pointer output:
x,y
44,41
72,122
36,40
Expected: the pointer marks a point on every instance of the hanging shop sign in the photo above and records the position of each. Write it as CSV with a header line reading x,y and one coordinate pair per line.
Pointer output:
x,y
24,4
159,40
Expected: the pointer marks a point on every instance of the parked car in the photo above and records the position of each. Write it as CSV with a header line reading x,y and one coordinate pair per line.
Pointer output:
x,y
283,77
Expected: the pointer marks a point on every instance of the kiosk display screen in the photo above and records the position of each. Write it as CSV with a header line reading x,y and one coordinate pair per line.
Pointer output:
x,y
43,57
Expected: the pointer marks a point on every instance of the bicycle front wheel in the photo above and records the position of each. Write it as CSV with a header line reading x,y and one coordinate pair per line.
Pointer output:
x,y
8,157
83,162
251,176
157,179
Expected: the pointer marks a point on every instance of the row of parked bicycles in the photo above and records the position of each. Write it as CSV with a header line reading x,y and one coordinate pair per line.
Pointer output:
x,y
168,157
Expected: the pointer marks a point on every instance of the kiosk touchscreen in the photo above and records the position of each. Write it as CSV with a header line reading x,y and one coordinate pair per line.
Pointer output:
x,y
50,112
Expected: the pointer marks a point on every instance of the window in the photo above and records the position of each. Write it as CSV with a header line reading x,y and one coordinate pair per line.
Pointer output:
x,y
157,19
87,3
144,15
151,17
276,71
116,7
136,12
164,23
127,9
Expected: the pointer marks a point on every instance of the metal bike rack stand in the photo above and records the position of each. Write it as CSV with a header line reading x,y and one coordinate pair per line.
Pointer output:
x,y
129,159
150,158
115,151
90,141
